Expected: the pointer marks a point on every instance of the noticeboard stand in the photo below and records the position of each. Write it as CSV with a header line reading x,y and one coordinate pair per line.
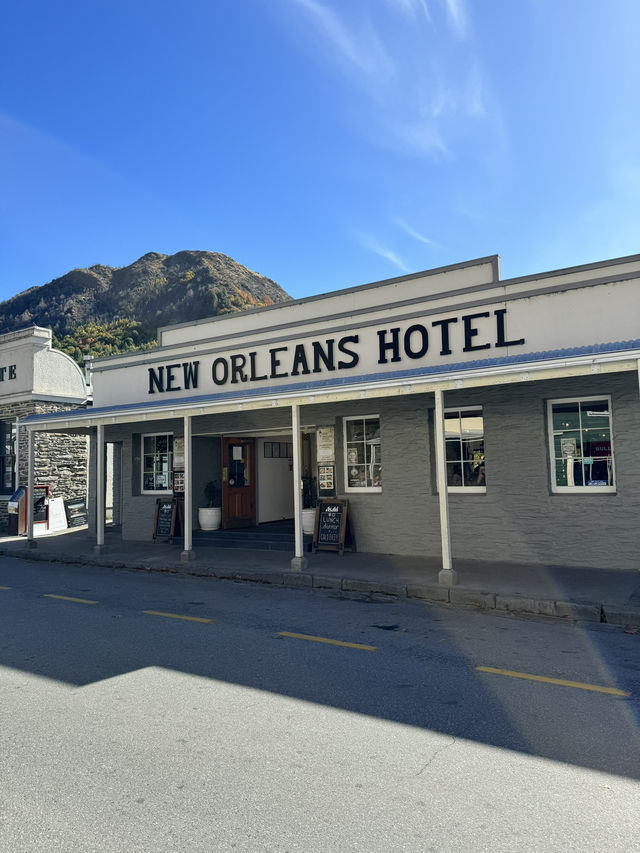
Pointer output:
x,y
39,505
167,523
332,530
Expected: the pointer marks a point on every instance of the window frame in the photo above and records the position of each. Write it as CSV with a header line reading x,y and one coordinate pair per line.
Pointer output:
x,y
168,490
464,490
358,489
579,490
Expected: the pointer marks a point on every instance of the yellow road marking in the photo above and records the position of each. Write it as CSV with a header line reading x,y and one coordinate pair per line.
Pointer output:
x,y
5,587
177,616
579,685
326,640
69,598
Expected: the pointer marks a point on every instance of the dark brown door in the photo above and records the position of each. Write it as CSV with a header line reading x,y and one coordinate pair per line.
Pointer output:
x,y
238,482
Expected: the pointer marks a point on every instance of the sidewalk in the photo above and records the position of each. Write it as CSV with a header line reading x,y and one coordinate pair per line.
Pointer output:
x,y
596,595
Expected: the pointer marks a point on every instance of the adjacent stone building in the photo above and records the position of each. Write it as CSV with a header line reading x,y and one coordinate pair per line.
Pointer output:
x,y
37,379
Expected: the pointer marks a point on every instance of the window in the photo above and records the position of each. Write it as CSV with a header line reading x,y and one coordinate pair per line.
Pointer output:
x,y
362,454
7,456
581,445
157,462
464,439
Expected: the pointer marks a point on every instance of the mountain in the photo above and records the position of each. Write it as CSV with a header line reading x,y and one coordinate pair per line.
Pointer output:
x,y
114,309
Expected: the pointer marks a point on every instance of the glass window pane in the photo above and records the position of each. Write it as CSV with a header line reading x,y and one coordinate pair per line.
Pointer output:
x,y
454,474
363,456
453,450
582,444
464,447
566,416
157,462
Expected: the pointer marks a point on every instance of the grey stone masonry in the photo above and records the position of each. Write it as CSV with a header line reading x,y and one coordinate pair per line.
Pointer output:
x,y
60,461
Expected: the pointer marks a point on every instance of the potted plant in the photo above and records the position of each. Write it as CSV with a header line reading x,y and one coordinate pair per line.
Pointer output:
x,y
309,501
210,514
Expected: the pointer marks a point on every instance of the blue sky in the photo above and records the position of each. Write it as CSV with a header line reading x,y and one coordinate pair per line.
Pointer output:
x,y
324,144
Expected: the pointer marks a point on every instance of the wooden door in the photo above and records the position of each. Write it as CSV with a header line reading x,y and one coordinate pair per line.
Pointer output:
x,y
238,482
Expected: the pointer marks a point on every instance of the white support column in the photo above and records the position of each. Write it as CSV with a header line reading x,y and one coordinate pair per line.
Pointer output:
x,y
31,542
447,576
187,553
99,546
299,562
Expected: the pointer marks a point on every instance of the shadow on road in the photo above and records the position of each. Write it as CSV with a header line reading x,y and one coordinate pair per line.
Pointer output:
x,y
423,674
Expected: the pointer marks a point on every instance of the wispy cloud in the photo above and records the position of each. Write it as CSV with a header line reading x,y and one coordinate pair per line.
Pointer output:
x,y
415,87
364,50
383,252
411,8
458,16
408,229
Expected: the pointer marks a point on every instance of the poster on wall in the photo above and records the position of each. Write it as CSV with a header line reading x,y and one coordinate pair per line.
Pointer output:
x,y
326,480
178,452
325,444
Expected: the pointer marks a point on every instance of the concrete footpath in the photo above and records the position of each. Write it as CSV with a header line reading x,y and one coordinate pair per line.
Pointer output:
x,y
575,594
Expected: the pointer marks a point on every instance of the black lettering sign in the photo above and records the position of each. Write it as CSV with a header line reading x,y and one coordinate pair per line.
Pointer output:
x,y
40,504
76,511
331,525
12,372
164,525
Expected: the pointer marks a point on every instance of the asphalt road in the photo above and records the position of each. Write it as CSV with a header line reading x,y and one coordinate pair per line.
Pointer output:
x,y
150,712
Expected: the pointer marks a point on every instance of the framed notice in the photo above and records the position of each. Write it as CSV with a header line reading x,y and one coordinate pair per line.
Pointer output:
x,y
325,444
331,525
326,478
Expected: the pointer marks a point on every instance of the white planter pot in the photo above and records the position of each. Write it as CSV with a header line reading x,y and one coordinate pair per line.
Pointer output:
x,y
209,517
308,520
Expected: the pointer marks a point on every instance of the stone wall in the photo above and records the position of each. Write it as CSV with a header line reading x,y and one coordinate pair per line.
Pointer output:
x,y
60,461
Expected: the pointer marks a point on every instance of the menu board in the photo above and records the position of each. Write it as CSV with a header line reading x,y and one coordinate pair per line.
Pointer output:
x,y
164,525
40,504
76,511
331,525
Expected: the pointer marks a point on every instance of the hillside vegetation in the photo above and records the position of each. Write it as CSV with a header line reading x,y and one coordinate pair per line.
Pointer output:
x,y
106,310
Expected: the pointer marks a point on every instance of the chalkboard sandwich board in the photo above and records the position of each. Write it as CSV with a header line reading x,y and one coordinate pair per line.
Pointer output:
x,y
331,525
164,525
40,504
76,511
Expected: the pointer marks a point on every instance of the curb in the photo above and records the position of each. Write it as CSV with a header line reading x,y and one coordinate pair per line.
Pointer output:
x,y
612,613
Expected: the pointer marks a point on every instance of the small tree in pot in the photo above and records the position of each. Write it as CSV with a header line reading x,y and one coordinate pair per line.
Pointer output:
x,y
210,515
309,501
